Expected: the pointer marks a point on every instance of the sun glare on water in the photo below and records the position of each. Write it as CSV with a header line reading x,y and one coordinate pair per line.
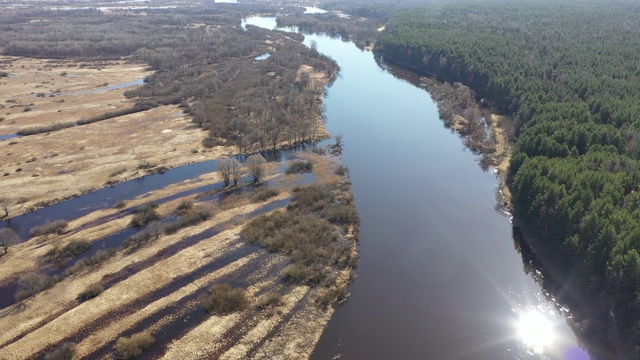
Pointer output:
x,y
536,330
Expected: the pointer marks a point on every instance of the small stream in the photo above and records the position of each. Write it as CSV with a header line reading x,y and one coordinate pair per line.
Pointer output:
x,y
9,136
107,197
96,90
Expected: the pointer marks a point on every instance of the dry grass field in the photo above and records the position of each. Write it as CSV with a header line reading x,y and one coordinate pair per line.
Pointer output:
x,y
159,287
101,280
45,168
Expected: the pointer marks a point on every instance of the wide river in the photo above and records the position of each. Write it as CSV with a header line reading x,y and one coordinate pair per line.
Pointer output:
x,y
439,275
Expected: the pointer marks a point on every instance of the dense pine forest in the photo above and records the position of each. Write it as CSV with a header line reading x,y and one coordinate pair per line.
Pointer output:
x,y
568,74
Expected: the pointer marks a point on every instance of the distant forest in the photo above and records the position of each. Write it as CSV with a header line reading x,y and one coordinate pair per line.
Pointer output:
x,y
569,75
204,62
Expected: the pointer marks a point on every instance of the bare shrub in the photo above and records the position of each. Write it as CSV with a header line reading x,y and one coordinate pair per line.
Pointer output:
x,y
145,214
118,171
132,347
341,214
5,204
270,299
62,352
264,194
310,240
341,170
256,165
45,129
224,300
8,237
94,260
150,233
144,165
32,283
184,206
332,296
90,292
230,170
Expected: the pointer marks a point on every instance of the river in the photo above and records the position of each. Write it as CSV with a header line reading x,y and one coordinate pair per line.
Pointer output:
x,y
439,275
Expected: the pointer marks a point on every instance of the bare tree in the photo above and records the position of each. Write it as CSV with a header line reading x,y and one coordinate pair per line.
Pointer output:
x,y
4,205
8,237
236,171
230,170
31,283
474,120
339,138
225,166
256,166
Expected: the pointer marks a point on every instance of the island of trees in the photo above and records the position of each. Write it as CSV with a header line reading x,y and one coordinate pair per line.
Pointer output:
x,y
567,74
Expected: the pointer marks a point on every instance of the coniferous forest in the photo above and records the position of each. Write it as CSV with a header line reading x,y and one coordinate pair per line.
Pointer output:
x,y
568,75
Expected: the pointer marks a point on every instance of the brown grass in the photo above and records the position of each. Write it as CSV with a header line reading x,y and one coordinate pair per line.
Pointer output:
x,y
75,159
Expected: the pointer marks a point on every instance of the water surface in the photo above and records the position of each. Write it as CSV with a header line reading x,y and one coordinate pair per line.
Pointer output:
x,y
8,136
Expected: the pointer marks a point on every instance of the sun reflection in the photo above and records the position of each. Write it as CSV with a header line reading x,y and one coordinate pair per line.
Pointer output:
x,y
536,330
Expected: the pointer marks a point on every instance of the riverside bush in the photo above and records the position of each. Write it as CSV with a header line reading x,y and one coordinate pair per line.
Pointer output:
x,y
145,214
56,227
60,255
94,260
298,167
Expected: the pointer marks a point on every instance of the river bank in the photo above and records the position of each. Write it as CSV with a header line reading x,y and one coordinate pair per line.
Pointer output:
x,y
418,266
589,321
485,132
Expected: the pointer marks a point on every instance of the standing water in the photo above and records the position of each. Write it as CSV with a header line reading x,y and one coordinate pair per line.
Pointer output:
x,y
439,276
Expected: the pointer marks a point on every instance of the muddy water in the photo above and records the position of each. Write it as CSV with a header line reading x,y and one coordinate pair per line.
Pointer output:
x,y
439,276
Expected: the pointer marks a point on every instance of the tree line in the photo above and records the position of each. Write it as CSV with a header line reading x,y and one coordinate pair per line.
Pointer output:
x,y
360,31
567,72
